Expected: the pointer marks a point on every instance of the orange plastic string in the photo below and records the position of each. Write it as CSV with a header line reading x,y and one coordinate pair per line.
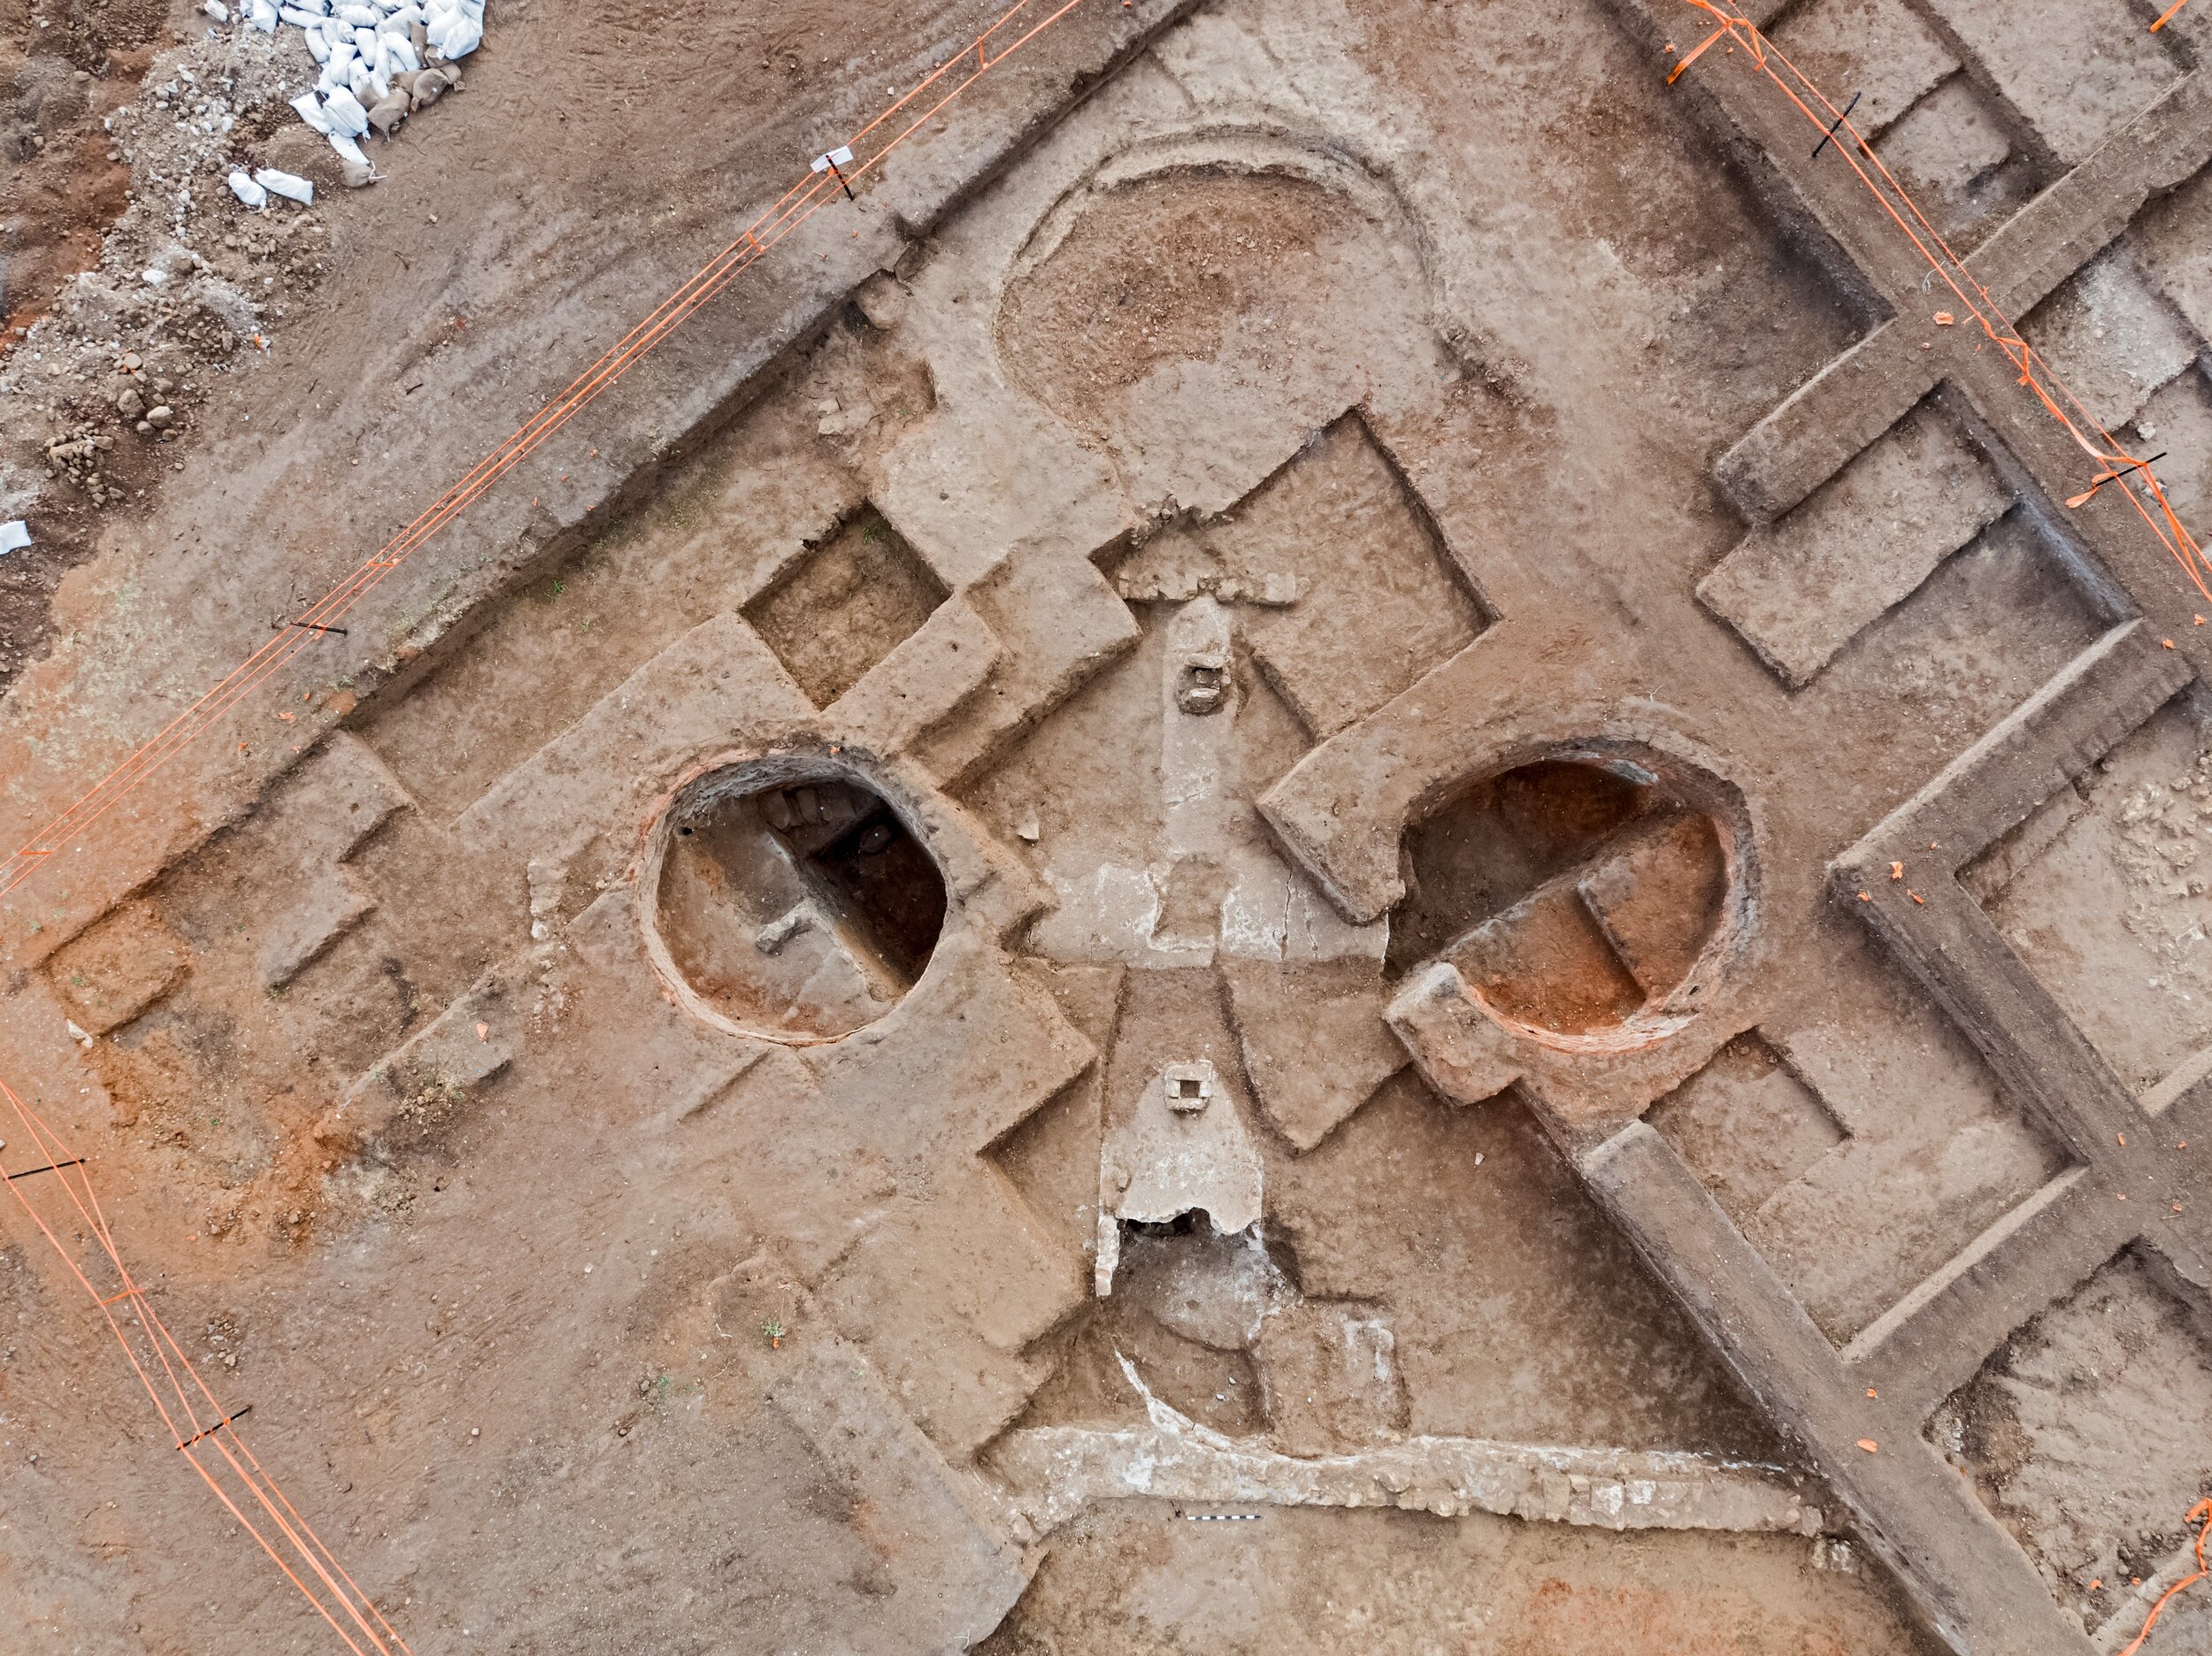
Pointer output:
x,y
906,116
302,1554
2036,376
2201,1514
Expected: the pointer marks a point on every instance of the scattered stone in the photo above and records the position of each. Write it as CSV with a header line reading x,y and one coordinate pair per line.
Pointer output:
x,y
770,938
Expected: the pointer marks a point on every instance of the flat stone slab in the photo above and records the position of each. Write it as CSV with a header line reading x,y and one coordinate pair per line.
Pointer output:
x,y
1801,590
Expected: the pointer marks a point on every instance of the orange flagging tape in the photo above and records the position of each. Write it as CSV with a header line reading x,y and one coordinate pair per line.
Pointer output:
x,y
2117,465
2200,1515
2166,16
1015,28
2110,460
202,1429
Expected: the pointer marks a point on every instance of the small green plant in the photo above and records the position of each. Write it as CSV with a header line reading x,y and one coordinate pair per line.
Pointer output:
x,y
772,1331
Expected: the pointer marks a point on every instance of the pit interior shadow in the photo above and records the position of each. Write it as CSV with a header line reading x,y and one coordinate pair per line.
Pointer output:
x,y
1571,894
809,908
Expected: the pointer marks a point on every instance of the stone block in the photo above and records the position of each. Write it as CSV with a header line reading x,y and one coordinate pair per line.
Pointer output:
x,y
1800,591
1381,601
325,909
1746,1125
2109,338
2172,243
921,683
717,687
107,976
955,1574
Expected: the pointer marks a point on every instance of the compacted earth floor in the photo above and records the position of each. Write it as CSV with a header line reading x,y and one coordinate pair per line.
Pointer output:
x,y
1333,837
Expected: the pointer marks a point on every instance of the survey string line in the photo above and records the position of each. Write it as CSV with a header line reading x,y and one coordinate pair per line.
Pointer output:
x,y
170,1359
2036,376
773,223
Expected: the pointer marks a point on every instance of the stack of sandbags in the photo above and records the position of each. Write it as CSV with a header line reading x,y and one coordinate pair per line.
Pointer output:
x,y
382,60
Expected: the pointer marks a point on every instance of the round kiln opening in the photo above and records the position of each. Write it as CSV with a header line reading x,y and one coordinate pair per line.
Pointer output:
x,y
1578,894
798,906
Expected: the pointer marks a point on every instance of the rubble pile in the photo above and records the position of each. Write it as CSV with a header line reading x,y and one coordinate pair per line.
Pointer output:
x,y
221,234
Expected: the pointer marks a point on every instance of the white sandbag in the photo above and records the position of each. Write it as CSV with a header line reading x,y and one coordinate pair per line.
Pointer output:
x,y
373,94
359,75
360,16
216,10
349,150
15,535
247,191
457,36
397,23
310,21
311,110
263,15
288,185
402,58
381,60
347,117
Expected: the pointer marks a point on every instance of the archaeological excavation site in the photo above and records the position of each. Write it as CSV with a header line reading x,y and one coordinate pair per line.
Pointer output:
x,y
1127,828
